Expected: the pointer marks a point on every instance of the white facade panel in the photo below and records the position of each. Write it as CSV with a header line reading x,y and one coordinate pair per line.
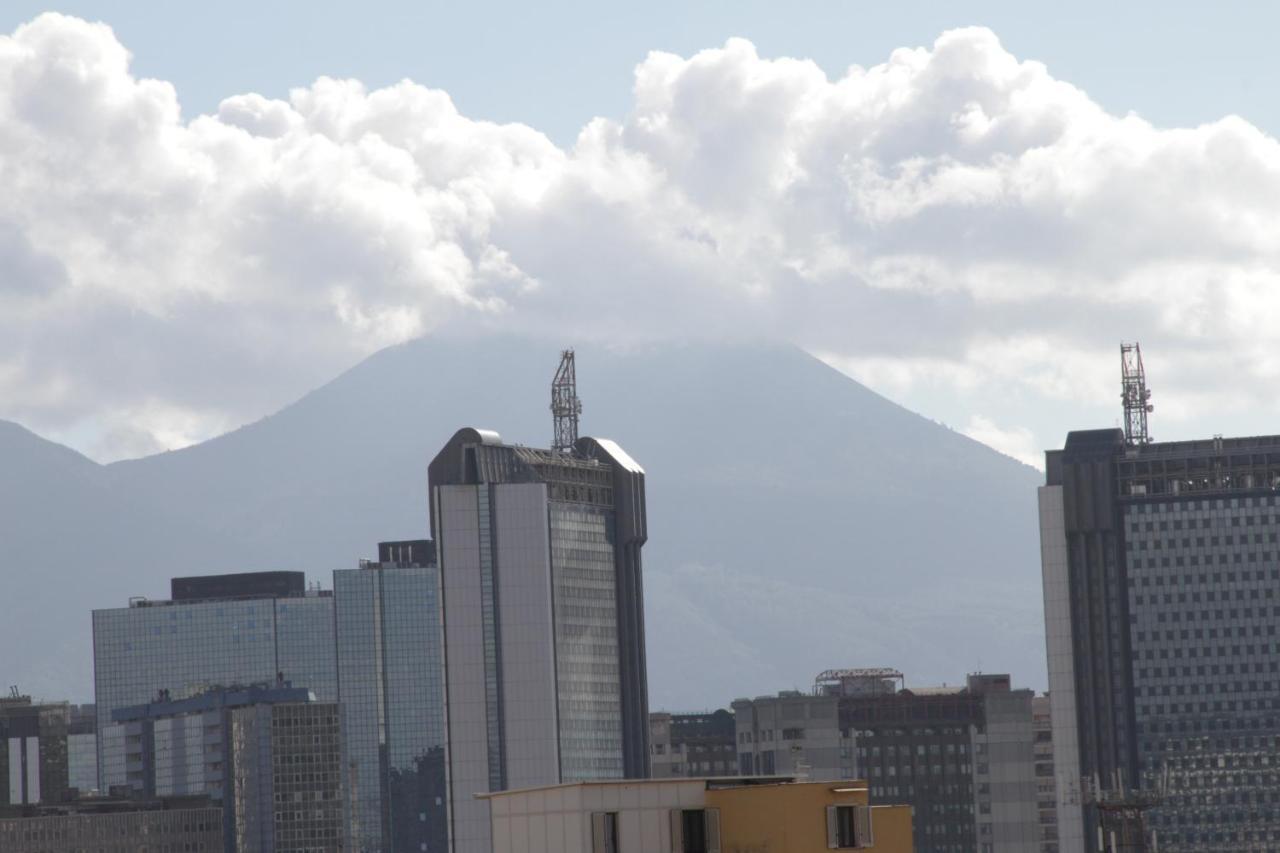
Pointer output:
x,y
1062,680
15,771
527,635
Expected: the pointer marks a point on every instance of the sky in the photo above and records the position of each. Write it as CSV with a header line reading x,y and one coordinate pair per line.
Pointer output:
x,y
208,209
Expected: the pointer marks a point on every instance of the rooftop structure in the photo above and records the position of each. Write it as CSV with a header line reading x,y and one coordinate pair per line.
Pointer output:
x,y
242,585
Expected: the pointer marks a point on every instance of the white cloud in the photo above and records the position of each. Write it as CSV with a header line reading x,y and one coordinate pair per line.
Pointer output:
x,y
953,225
1017,442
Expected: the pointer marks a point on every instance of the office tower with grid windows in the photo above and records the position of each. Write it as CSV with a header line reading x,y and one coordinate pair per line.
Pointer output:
x,y
1161,575
286,793
543,618
222,630
961,757
391,684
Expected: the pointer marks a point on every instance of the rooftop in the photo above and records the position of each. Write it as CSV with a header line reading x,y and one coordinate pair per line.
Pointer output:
x,y
711,782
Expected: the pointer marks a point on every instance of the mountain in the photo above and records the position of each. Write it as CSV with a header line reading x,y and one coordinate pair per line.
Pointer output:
x,y
798,521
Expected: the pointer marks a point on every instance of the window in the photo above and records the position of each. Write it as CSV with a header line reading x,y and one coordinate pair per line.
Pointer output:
x,y
604,832
849,827
695,830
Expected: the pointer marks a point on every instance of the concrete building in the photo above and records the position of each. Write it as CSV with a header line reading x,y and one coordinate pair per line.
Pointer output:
x,y
694,745
793,733
82,749
1161,575
391,685
287,778
696,816
543,623
268,755
190,825
33,751
1046,789
225,629
962,757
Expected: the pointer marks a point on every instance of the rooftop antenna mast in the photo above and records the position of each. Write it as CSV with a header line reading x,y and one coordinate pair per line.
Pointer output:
x,y
565,405
1134,393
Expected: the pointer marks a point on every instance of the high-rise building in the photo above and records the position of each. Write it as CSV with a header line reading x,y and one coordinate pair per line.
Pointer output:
x,y
287,778
1161,574
962,757
228,629
699,744
33,751
539,554
391,685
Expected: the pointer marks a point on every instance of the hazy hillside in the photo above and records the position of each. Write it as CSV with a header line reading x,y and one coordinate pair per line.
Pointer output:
x,y
798,520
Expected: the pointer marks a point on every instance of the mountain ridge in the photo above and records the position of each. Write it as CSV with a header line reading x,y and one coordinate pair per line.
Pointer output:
x,y
798,520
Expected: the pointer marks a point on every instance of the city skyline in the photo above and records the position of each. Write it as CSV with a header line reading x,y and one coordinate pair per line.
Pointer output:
x,y
916,339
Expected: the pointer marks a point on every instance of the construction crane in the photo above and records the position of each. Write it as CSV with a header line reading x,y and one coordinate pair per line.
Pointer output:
x,y
1134,394
565,405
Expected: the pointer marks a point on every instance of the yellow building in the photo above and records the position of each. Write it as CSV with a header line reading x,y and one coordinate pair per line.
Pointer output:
x,y
807,817
724,815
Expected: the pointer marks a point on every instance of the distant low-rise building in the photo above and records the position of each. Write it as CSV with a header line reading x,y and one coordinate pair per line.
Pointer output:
x,y
33,751
191,825
269,755
699,744
696,816
962,757
793,732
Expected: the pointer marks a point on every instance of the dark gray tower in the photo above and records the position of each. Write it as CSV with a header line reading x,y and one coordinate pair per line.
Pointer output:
x,y
1161,566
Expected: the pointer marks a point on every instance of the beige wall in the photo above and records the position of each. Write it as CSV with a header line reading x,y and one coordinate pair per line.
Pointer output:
x,y
784,818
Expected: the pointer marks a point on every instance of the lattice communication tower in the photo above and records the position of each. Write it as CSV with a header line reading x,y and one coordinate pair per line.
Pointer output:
x,y
565,405
1134,394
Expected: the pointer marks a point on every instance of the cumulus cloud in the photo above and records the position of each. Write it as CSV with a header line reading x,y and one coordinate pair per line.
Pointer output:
x,y
954,226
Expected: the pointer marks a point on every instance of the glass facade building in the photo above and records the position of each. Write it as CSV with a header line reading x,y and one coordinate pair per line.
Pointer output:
x,y
543,619
187,646
1162,589
391,682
